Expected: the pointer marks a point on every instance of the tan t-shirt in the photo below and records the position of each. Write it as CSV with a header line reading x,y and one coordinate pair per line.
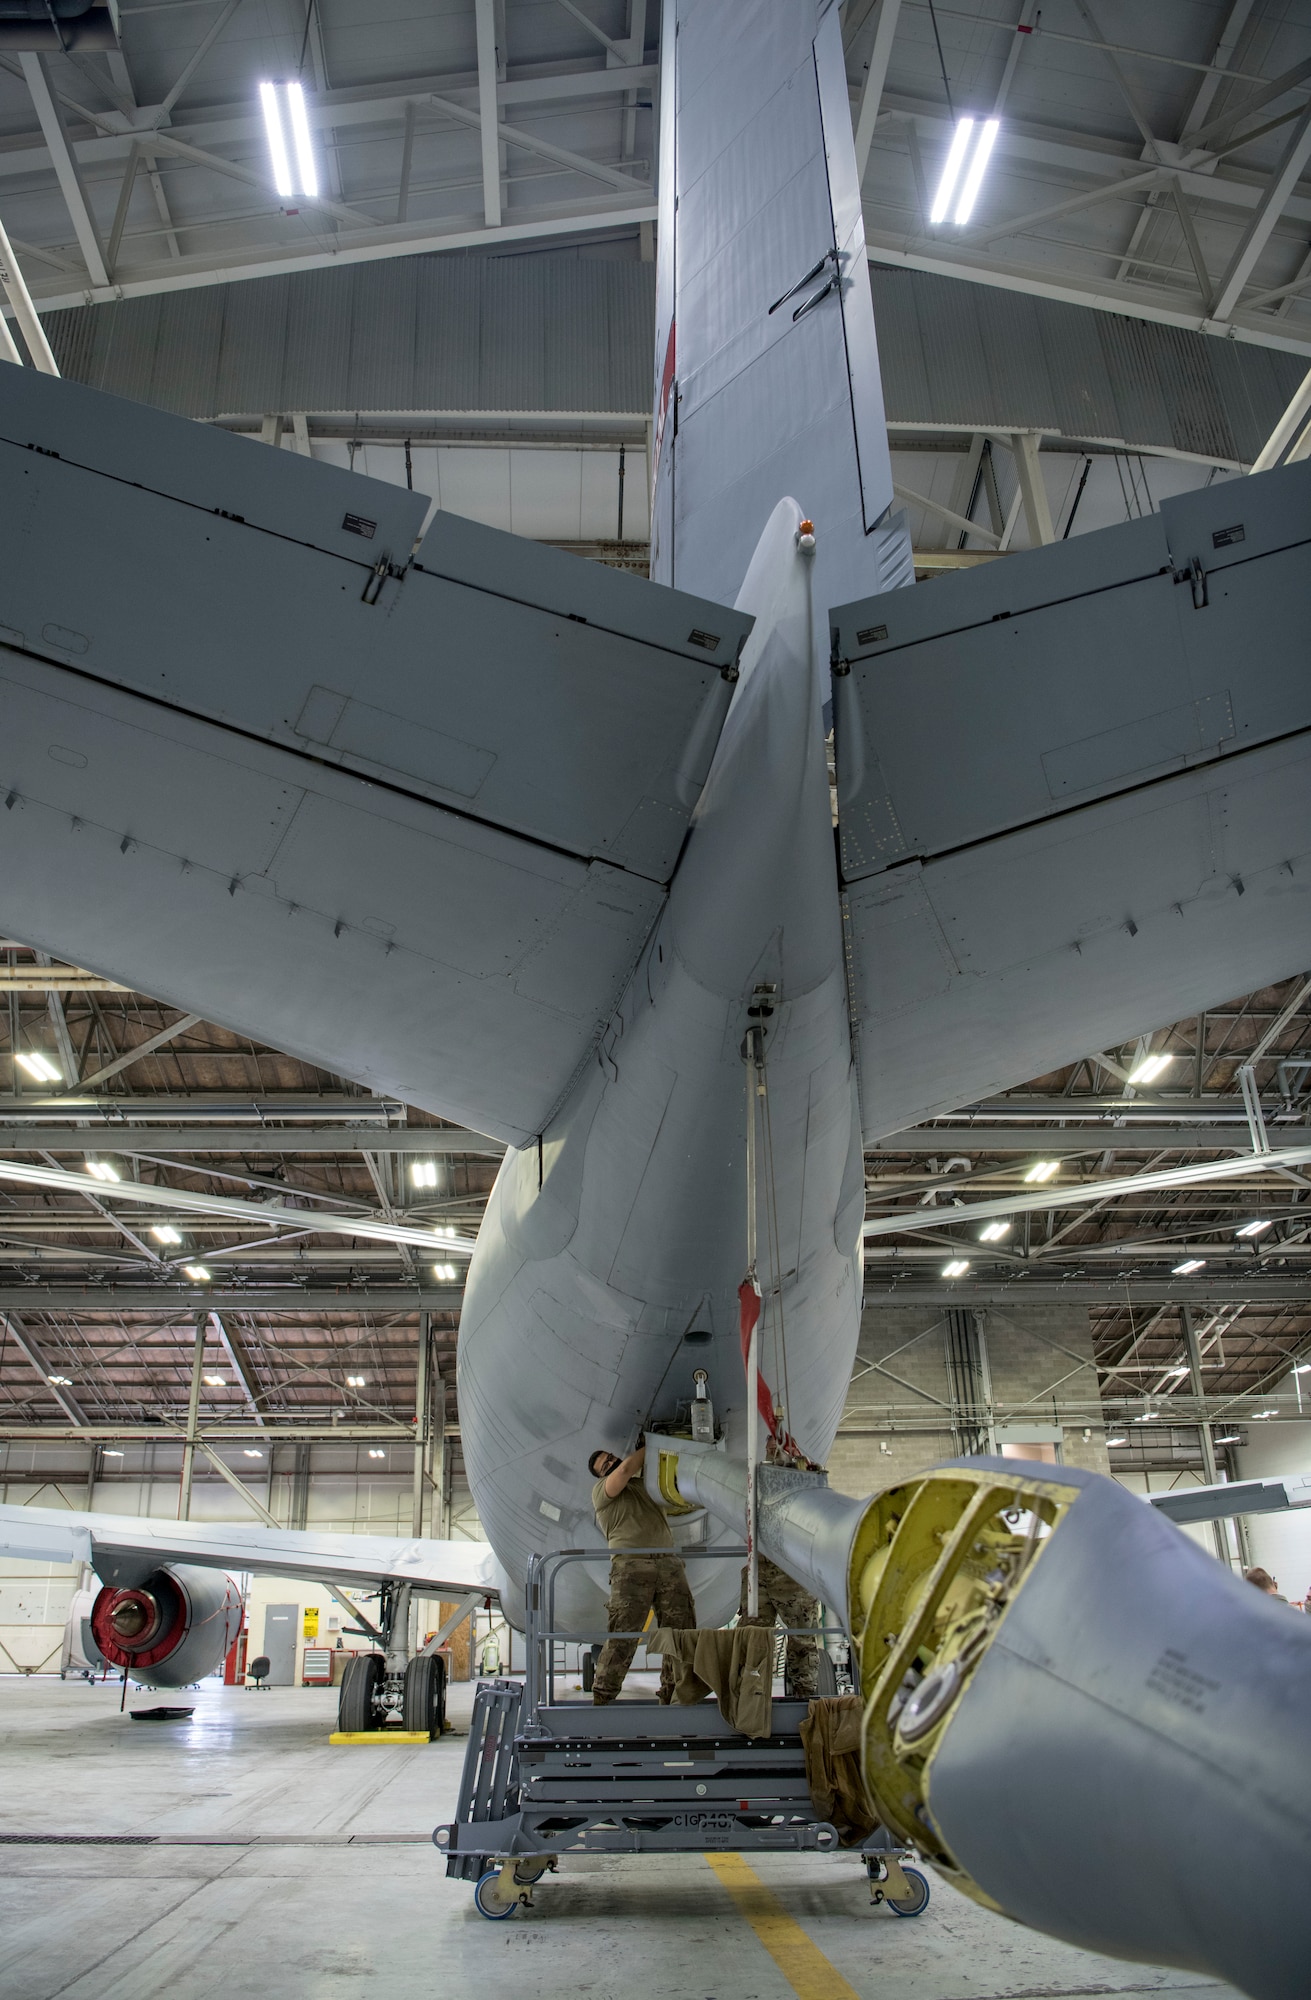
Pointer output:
x,y
631,1520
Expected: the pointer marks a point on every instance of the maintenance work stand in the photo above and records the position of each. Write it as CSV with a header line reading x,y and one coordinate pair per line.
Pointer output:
x,y
545,1777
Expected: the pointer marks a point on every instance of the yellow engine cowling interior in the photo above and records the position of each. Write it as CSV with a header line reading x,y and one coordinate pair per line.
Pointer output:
x,y
935,1565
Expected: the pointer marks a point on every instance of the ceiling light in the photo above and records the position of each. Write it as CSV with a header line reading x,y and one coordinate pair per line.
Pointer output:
x,y
38,1067
1230,1437
445,1274
1180,1369
101,1170
112,1451
198,1273
1043,1170
1265,1413
1189,1264
447,1234
284,107
1257,1227
376,1454
356,1381
250,1452
277,138
1150,1068
164,1232
60,1381
974,173
1303,1368
951,170
215,1381
1111,1441
956,1268
424,1173
994,1232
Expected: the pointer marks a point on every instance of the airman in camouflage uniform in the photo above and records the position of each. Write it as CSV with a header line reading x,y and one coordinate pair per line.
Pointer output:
x,y
629,1519
784,1602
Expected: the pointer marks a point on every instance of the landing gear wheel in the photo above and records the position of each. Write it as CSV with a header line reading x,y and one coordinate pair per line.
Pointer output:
x,y
425,1695
489,1900
917,1901
359,1684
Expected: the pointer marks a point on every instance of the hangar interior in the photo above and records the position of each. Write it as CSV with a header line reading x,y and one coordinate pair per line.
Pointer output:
x,y
464,307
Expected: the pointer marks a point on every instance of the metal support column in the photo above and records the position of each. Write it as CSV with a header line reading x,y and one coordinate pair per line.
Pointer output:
x,y
193,1420
422,1400
1209,1472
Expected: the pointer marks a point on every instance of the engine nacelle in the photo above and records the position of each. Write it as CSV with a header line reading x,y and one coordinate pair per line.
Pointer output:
x,y
170,1630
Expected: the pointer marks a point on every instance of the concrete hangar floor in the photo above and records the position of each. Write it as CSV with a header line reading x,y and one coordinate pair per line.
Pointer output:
x,y
238,1854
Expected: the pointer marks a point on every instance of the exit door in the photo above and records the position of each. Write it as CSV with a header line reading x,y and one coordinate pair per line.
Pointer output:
x,y
280,1622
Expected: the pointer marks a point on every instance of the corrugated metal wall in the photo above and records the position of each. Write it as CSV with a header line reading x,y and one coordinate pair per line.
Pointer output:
x,y
413,333
565,332
973,355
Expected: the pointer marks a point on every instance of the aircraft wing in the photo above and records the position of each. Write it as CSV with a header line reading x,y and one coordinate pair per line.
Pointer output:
x,y
1236,1496
407,816
122,1548
1074,794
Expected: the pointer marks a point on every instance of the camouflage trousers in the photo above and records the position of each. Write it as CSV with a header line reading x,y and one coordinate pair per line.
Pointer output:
x,y
784,1602
639,1585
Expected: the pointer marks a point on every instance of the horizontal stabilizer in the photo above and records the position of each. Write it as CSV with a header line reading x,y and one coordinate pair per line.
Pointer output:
x,y
409,818
1074,793
122,1544
1237,1496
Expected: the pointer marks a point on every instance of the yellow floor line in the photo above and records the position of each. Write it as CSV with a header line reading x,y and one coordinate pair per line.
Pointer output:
x,y
800,1960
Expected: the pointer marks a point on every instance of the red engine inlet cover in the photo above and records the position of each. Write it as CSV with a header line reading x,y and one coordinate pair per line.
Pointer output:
x,y
139,1628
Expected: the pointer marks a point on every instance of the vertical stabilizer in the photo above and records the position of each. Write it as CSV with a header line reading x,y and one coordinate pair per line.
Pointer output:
x,y
767,376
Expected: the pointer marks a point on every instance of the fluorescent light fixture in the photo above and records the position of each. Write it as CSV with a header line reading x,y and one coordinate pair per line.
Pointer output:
x,y
164,1232
376,1454
1230,1437
994,1232
1180,1368
447,1234
60,1381
215,1381
951,171
1114,1441
1257,1227
1255,1413
39,1067
424,1173
1148,1417
300,134
112,1451
1043,1170
974,173
956,1268
445,1274
277,138
250,1452
1303,1368
284,107
356,1381
1189,1265
1150,1068
102,1171
198,1273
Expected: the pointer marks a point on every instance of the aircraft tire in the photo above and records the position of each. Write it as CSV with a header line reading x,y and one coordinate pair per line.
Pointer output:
x,y
359,1684
425,1695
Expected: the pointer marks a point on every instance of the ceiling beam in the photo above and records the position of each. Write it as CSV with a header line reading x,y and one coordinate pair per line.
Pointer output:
x,y
181,1026
1052,1141
485,27
32,1352
234,1348
67,171
876,74
130,1139
178,1302
1257,234
254,1214
1086,1291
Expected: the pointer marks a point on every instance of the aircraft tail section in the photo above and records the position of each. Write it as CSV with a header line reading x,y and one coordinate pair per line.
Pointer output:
x,y
767,375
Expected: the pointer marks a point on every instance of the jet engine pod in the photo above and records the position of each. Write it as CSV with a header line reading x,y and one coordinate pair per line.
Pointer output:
x,y
171,1629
